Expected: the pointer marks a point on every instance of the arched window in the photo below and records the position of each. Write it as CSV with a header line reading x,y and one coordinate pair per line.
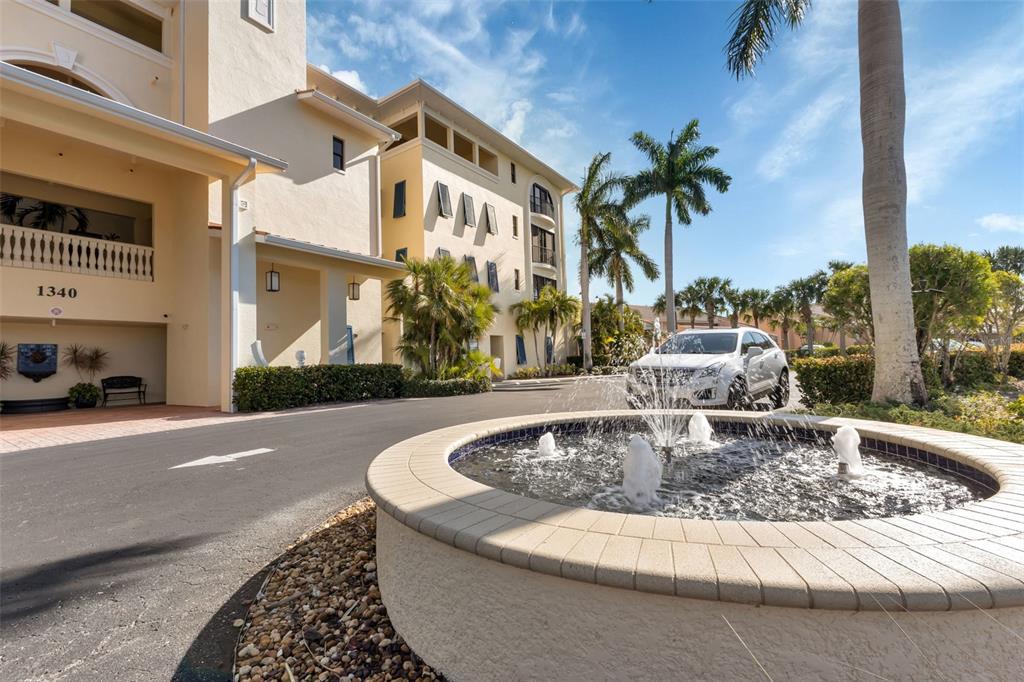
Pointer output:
x,y
60,75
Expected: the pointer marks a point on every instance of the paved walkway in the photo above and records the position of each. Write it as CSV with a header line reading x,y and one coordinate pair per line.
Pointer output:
x,y
28,431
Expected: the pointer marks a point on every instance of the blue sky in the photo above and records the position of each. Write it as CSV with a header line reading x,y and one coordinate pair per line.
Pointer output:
x,y
567,80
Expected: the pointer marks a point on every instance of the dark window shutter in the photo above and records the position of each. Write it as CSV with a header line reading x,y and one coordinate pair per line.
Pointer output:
x,y
549,348
474,274
402,254
492,221
492,276
513,173
444,201
399,210
469,210
443,253
520,349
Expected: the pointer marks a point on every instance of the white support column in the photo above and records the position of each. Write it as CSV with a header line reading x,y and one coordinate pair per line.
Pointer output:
x,y
333,317
238,283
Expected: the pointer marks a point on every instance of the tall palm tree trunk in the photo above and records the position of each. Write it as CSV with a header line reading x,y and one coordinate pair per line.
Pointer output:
x,y
882,120
670,296
620,302
588,357
809,323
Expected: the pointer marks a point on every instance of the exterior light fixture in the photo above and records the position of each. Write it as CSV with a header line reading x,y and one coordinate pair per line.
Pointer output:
x,y
353,290
273,279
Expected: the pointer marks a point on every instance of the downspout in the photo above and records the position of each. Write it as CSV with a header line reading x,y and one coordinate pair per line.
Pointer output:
x,y
242,178
381,148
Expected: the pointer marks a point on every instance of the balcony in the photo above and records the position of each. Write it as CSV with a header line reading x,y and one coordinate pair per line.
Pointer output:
x,y
541,202
546,255
27,247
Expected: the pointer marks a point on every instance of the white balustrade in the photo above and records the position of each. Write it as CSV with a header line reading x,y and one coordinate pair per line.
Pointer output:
x,y
26,247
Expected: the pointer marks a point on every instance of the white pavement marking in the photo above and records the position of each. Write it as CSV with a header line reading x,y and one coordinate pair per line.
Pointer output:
x,y
222,459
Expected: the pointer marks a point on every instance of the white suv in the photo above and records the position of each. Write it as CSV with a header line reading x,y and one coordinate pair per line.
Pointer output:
x,y
711,368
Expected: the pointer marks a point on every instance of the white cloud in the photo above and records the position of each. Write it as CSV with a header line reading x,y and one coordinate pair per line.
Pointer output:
x,y
956,109
516,122
350,77
1002,222
798,140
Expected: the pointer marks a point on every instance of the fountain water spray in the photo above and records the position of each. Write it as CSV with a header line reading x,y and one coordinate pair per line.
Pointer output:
x,y
698,430
546,446
641,473
846,443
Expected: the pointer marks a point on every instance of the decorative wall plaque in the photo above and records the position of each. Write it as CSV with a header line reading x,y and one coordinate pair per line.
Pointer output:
x,y
37,360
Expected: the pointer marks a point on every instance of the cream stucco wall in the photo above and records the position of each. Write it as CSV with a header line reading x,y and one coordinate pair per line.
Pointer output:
x,y
289,319
135,350
127,71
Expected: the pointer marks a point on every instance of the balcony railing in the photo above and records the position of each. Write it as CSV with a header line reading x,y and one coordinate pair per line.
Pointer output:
x,y
538,205
543,254
25,247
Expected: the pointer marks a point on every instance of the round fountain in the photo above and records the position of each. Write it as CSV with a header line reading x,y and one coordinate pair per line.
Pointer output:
x,y
727,545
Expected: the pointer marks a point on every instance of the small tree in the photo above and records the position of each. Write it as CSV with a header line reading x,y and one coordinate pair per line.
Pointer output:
x,y
734,302
848,300
952,288
807,292
88,362
1004,316
1007,258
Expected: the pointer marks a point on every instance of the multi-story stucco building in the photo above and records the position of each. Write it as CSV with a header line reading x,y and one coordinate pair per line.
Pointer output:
x,y
454,186
182,190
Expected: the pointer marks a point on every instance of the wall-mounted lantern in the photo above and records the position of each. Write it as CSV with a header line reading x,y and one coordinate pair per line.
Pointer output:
x,y
273,279
353,290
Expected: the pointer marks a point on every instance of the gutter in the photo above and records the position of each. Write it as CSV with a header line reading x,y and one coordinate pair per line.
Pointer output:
x,y
99,104
330,252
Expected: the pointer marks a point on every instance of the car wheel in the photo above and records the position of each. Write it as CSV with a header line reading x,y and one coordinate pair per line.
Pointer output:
x,y
780,394
739,396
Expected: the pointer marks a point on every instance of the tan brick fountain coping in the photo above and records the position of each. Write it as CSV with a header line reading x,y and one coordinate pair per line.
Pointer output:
x,y
962,558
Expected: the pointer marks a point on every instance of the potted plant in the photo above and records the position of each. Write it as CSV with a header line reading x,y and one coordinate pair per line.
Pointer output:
x,y
6,360
84,394
87,362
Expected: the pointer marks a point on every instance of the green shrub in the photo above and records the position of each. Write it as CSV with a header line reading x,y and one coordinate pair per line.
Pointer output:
x,y
418,387
84,392
860,349
575,360
1016,408
527,373
605,370
835,380
973,368
948,416
278,388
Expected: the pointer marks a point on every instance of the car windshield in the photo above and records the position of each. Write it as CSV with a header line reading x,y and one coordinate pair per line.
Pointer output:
x,y
699,344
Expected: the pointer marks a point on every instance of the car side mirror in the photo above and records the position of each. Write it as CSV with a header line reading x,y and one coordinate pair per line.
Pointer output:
x,y
754,351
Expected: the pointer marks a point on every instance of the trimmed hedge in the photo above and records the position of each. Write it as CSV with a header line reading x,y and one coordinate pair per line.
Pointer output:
x,y
1016,368
835,380
438,388
860,349
277,388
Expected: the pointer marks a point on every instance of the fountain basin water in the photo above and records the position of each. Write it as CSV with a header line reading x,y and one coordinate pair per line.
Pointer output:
x,y
486,584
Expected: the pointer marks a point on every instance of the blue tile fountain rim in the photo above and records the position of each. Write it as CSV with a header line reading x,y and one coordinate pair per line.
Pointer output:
x,y
806,435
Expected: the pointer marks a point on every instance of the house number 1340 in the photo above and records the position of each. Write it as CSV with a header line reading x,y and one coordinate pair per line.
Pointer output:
x,y
54,291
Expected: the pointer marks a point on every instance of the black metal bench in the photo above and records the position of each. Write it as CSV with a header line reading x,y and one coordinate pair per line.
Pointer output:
x,y
115,387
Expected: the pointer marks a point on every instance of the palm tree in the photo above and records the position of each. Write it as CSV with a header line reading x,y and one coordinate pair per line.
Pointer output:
x,y
782,308
678,171
45,214
884,194
442,309
527,315
617,244
755,303
734,302
594,200
708,292
807,292
692,305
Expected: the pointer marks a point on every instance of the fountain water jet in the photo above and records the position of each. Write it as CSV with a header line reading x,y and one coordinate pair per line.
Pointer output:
x,y
846,443
546,447
641,473
699,430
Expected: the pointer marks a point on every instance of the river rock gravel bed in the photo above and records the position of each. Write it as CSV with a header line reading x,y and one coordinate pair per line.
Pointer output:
x,y
320,616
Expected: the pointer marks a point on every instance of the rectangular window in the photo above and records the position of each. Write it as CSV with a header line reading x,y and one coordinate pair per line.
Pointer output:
x,y
468,210
399,208
471,264
492,221
540,201
515,226
543,243
443,253
520,349
513,174
123,18
402,254
540,282
436,131
487,160
492,276
260,12
444,201
339,154
519,283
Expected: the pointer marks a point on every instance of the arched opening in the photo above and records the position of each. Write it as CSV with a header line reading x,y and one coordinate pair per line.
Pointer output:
x,y
62,76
